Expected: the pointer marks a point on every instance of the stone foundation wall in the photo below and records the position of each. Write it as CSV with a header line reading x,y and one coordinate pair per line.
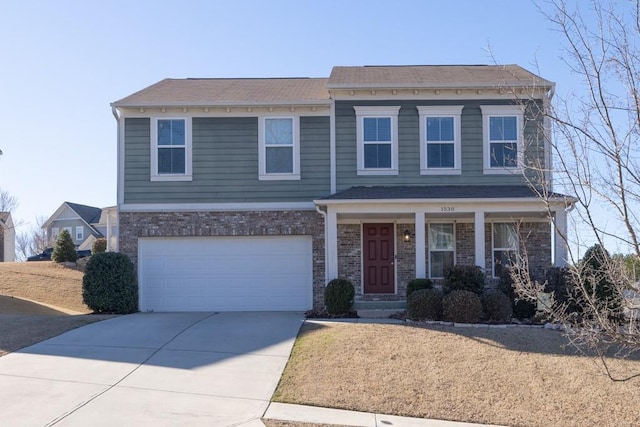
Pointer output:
x,y
268,223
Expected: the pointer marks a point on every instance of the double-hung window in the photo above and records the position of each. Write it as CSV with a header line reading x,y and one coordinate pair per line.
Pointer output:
x,y
504,246
279,148
171,151
442,252
503,146
440,140
79,233
377,140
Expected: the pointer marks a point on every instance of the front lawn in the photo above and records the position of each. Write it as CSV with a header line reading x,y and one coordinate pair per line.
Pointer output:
x,y
512,376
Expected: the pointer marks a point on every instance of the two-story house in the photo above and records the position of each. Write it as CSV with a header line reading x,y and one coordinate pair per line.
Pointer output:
x,y
251,194
85,224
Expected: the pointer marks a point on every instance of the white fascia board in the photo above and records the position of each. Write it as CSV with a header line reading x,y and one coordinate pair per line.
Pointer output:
x,y
347,86
56,214
200,207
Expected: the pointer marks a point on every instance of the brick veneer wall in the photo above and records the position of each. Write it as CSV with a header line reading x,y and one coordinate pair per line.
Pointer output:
x,y
268,223
350,254
406,258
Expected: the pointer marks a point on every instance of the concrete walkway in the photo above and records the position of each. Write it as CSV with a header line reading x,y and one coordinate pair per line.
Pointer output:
x,y
169,369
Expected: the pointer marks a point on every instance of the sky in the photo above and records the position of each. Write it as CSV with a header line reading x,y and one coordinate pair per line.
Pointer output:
x,y
64,62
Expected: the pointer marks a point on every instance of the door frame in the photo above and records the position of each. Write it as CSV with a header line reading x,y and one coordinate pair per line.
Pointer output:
x,y
395,255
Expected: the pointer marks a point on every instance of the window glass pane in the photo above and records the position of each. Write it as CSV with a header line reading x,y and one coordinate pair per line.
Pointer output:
x,y
504,154
439,262
501,260
377,155
439,128
503,128
441,236
171,132
505,236
279,131
377,129
440,155
279,160
171,160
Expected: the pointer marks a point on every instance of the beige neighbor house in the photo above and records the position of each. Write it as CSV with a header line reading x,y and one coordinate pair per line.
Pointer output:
x,y
252,194
7,238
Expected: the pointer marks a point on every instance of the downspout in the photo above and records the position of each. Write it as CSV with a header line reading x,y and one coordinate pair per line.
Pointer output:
x,y
120,180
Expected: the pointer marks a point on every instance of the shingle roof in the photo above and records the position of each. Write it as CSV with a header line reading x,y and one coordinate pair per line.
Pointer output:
x,y
89,214
438,192
434,76
211,92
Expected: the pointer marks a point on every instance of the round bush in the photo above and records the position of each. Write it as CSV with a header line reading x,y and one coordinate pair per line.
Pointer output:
x,y
497,307
464,278
522,309
99,245
417,284
425,304
338,296
109,284
461,306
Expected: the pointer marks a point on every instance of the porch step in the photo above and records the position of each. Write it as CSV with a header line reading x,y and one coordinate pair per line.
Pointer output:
x,y
380,305
381,313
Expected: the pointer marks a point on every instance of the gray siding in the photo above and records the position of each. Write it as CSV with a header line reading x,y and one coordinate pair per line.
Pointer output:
x,y
409,148
73,223
225,164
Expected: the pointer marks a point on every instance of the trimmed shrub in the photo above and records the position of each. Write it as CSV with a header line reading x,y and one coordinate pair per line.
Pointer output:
x,y
596,278
425,304
417,284
461,306
64,250
109,284
464,278
522,309
558,282
99,245
338,296
497,307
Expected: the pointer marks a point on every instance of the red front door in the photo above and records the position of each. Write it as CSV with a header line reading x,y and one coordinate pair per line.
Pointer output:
x,y
378,258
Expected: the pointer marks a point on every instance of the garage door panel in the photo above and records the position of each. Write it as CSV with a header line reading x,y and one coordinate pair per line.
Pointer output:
x,y
225,273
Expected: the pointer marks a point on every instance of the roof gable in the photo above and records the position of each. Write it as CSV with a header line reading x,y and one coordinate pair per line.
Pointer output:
x,y
87,214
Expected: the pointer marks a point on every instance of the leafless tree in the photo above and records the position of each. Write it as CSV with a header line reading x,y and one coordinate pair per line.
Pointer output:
x,y
596,151
33,241
8,203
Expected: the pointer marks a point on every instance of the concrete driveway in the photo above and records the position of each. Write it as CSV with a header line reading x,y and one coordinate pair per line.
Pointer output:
x,y
160,369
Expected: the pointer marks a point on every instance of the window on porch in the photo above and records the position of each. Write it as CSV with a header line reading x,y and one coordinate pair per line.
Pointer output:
x,y
441,249
505,246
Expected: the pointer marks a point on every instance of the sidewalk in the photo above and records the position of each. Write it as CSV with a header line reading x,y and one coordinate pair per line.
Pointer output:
x,y
313,414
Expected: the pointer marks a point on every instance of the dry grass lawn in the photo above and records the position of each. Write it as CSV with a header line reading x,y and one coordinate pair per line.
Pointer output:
x,y
278,423
45,282
53,290
513,376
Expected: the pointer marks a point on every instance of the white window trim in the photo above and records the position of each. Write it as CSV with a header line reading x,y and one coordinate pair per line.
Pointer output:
x,y
489,111
494,248
262,151
79,236
454,111
440,250
55,232
187,175
363,112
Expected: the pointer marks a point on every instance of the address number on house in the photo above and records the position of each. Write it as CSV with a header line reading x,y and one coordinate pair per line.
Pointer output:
x,y
447,209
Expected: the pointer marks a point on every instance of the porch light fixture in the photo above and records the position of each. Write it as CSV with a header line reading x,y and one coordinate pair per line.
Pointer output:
x,y
407,235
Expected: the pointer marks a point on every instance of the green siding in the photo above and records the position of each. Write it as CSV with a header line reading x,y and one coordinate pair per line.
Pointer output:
x,y
409,147
225,164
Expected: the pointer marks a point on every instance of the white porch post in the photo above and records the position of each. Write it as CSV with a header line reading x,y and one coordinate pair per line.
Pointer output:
x,y
479,239
421,270
560,229
332,245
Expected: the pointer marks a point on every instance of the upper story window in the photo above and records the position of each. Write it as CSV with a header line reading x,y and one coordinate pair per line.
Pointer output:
x,y
503,140
440,151
504,246
171,150
54,233
279,151
79,233
442,250
377,140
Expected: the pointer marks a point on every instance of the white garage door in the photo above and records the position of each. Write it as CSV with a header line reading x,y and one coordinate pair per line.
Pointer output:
x,y
266,273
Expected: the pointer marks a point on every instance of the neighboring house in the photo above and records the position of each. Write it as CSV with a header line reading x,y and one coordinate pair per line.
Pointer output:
x,y
85,224
251,194
7,238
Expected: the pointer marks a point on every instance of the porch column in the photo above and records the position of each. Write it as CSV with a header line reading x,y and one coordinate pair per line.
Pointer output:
x,y
479,240
332,245
560,237
421,270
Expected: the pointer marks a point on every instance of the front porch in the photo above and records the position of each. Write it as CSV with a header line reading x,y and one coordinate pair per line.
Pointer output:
x,y
380,244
